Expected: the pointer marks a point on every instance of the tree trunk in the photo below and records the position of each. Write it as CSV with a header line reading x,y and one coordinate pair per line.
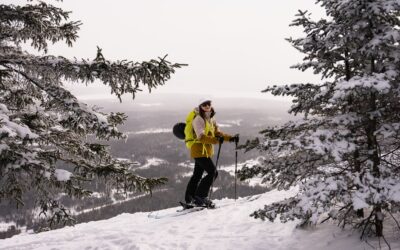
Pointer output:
x,y
378,221
356,163
357,166
373,156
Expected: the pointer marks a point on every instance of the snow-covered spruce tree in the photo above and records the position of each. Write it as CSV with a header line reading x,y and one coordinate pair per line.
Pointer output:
x,y
42,123
343,153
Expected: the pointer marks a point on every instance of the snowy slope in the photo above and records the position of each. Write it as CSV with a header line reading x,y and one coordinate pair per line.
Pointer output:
x,y
227,227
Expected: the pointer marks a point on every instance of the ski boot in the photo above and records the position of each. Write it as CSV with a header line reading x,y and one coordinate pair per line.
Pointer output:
x,y
203,202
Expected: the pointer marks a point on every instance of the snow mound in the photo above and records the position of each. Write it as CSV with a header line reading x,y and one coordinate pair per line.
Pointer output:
x,y
227,227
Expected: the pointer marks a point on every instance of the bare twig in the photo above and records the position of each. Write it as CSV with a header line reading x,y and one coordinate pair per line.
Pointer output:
x,y
389,163
387,243
329,217
391,152
366,241
345,215
366,223
398,225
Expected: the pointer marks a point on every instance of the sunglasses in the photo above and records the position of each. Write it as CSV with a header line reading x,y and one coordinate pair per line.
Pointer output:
x,y
204,104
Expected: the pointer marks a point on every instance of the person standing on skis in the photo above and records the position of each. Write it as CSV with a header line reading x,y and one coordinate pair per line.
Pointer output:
x,y
200,139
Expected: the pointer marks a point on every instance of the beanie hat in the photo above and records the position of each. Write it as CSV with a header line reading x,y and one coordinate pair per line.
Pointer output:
x,y
204,99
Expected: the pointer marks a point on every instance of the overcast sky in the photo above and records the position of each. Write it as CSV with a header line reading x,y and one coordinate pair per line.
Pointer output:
x,y
233,47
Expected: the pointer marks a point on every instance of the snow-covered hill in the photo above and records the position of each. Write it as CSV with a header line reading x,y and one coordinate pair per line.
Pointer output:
x,y
227,227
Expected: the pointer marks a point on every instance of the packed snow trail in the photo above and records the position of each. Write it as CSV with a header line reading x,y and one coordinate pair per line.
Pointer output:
x,y
227,227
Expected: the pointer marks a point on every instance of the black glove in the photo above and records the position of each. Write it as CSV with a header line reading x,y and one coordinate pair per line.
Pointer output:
x,y
234,138
220,139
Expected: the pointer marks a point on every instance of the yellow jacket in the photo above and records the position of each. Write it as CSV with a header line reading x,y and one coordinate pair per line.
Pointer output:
x,y
204,146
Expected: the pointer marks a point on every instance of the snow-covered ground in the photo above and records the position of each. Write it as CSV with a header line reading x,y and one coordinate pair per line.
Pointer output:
x,y
5,225
229,123
152,161
114,202
149,131
227,227
251,182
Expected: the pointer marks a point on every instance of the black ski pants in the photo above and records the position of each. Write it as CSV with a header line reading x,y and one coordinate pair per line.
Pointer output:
x,y
197,185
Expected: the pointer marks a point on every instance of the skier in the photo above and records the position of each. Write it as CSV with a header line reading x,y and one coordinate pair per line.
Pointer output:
x,y
199,139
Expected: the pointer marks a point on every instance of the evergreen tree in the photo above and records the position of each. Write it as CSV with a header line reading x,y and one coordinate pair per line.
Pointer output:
x,y
343,154
43,124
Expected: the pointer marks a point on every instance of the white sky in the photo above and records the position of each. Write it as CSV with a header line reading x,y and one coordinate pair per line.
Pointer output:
x,y
233,47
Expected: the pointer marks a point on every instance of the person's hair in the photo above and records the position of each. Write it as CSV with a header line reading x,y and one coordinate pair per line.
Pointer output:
x,y
203,114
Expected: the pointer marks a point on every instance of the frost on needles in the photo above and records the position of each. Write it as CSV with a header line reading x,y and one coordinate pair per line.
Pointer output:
x,y
42,123
343,153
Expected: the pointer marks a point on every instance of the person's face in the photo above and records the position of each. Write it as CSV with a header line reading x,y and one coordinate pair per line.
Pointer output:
x,y
206,106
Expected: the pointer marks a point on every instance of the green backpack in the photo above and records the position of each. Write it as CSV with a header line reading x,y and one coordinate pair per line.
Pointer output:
x,y
190,136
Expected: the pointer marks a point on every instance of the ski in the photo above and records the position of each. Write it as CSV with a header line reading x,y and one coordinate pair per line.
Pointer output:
x,y
186,209
189,207
186,206
177,213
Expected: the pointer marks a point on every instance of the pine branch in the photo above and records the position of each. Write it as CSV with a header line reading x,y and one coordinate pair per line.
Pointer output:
x,y
44,126
39,23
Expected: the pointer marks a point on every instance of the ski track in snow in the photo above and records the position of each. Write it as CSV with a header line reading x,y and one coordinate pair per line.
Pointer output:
x,y
227,227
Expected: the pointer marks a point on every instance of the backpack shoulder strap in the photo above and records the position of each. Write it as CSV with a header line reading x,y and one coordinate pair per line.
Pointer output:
x,y
190,117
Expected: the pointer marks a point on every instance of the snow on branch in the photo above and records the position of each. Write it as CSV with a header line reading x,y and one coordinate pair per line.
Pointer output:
x,y
37,22
48,138
344,153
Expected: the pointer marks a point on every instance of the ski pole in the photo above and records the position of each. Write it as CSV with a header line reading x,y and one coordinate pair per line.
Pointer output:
x,y
216,165
236,157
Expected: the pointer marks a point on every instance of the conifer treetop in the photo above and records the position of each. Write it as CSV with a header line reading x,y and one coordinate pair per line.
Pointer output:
x,y
343,153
